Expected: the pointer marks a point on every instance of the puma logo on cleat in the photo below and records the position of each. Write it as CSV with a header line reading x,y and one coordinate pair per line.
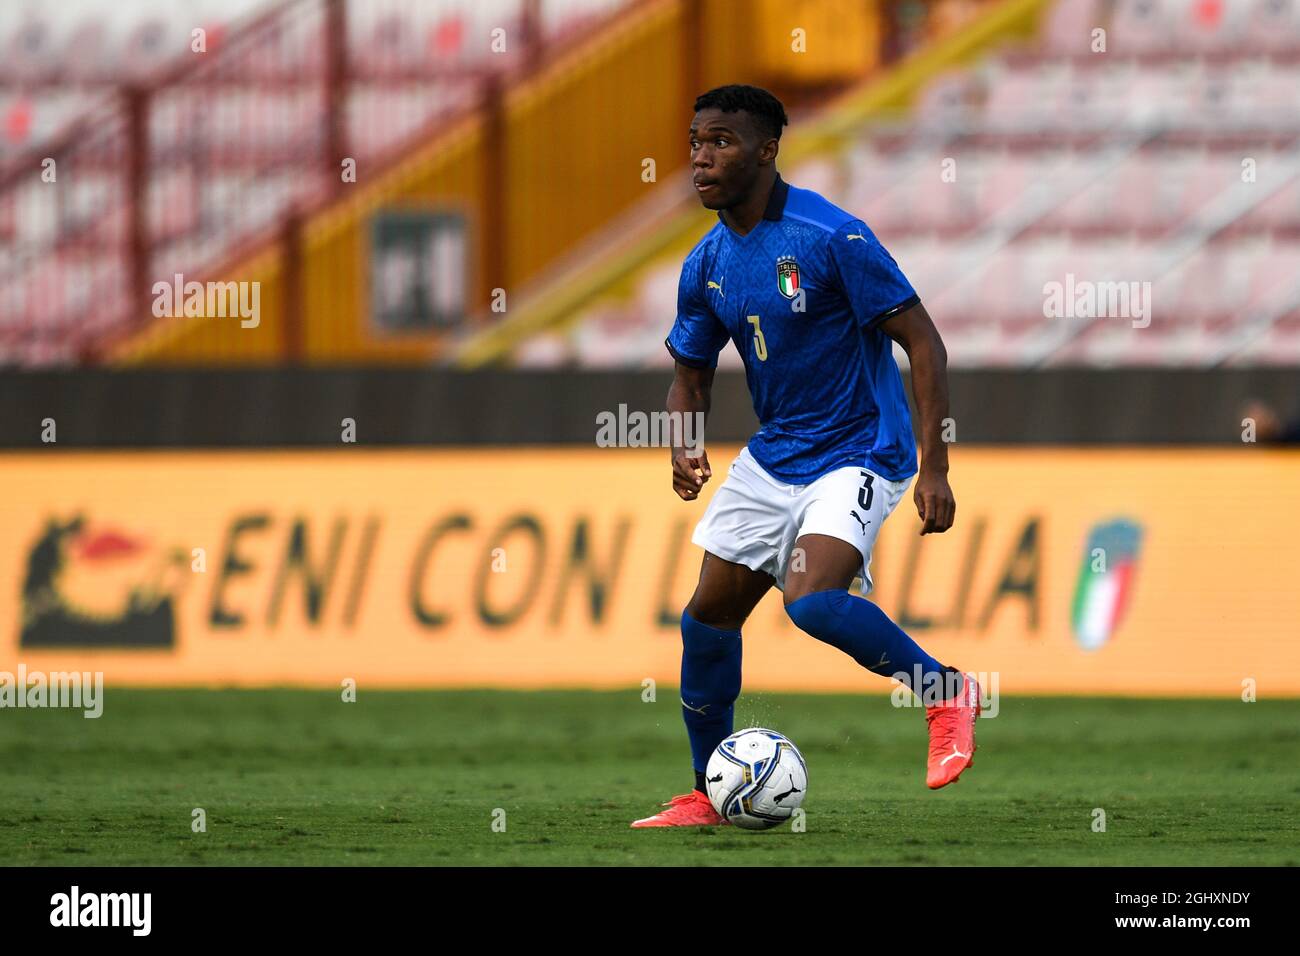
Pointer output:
x,y
955,753
858,519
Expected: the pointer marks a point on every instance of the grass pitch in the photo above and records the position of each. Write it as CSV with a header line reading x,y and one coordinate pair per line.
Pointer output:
x,y
299,777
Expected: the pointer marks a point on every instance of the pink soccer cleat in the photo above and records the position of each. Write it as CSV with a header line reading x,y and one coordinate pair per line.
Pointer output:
x,y
952,735
687,810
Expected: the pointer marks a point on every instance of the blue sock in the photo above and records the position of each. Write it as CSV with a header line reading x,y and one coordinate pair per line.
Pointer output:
x,y
710,686
864,632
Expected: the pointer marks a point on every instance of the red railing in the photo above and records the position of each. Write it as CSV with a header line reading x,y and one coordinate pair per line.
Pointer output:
x,y
226,149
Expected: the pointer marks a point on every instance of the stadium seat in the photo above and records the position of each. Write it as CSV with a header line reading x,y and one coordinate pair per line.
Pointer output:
x,y
1068,27
1141,26
1040,147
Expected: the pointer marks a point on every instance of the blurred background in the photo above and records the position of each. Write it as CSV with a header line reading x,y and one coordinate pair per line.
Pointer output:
x,y
458,227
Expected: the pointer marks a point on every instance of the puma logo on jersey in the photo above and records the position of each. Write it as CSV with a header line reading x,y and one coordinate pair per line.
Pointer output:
x,y
859,520
856,235
718,286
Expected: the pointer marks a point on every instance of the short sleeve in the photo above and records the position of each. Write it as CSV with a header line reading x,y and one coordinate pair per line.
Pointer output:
x,y
697,336
872,282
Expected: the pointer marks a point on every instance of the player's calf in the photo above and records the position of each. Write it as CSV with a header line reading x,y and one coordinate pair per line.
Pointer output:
x,y
710,685
863,631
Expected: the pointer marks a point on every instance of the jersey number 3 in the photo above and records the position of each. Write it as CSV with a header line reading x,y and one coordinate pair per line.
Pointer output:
x,y
760,343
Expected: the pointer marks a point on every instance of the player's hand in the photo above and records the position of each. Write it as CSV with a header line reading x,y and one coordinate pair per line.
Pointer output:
x,y
690,471
934,502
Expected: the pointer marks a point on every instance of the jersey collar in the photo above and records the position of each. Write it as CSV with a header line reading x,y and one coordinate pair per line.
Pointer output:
x,y
775,201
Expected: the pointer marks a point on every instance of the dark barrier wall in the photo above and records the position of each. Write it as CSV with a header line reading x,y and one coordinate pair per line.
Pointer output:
x,y
299,407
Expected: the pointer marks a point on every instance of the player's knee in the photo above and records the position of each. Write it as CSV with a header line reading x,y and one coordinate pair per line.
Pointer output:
x,y
707,641
801,583
714,614
819,613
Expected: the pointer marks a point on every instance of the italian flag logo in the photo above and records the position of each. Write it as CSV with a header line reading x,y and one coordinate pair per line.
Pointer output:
x,y
1105,585
787,276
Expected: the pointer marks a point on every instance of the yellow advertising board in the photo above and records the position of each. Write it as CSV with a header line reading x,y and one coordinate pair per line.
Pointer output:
x,y
1068,570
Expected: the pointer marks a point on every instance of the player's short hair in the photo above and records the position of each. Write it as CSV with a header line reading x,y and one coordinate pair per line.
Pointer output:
x,y
769,114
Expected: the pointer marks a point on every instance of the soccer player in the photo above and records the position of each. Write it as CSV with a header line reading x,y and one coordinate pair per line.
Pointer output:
x,y
812,302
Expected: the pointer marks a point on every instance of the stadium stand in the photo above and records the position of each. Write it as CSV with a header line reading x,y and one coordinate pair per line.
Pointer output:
x,y
176,155
1170,155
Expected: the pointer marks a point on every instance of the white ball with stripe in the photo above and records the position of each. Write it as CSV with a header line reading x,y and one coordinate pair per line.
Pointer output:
x,y
756,778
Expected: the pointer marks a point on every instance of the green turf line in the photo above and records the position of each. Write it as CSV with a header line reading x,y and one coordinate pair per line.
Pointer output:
x,y
299,777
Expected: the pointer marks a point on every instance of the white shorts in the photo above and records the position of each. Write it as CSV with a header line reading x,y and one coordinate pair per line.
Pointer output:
x,y
754,519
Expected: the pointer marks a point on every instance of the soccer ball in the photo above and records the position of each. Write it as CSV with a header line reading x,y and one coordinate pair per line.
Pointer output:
x,y
756,778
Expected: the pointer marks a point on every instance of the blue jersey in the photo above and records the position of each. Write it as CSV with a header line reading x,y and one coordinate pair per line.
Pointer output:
x,y
802,297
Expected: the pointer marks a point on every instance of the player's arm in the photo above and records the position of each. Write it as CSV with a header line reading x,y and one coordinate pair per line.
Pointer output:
x,y
690,394
694,342
914,330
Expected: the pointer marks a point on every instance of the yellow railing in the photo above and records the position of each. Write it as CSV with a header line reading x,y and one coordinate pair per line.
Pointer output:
x,y
545,167
559,305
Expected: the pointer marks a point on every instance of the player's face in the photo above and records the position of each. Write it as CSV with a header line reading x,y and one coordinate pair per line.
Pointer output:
x,y
724,157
